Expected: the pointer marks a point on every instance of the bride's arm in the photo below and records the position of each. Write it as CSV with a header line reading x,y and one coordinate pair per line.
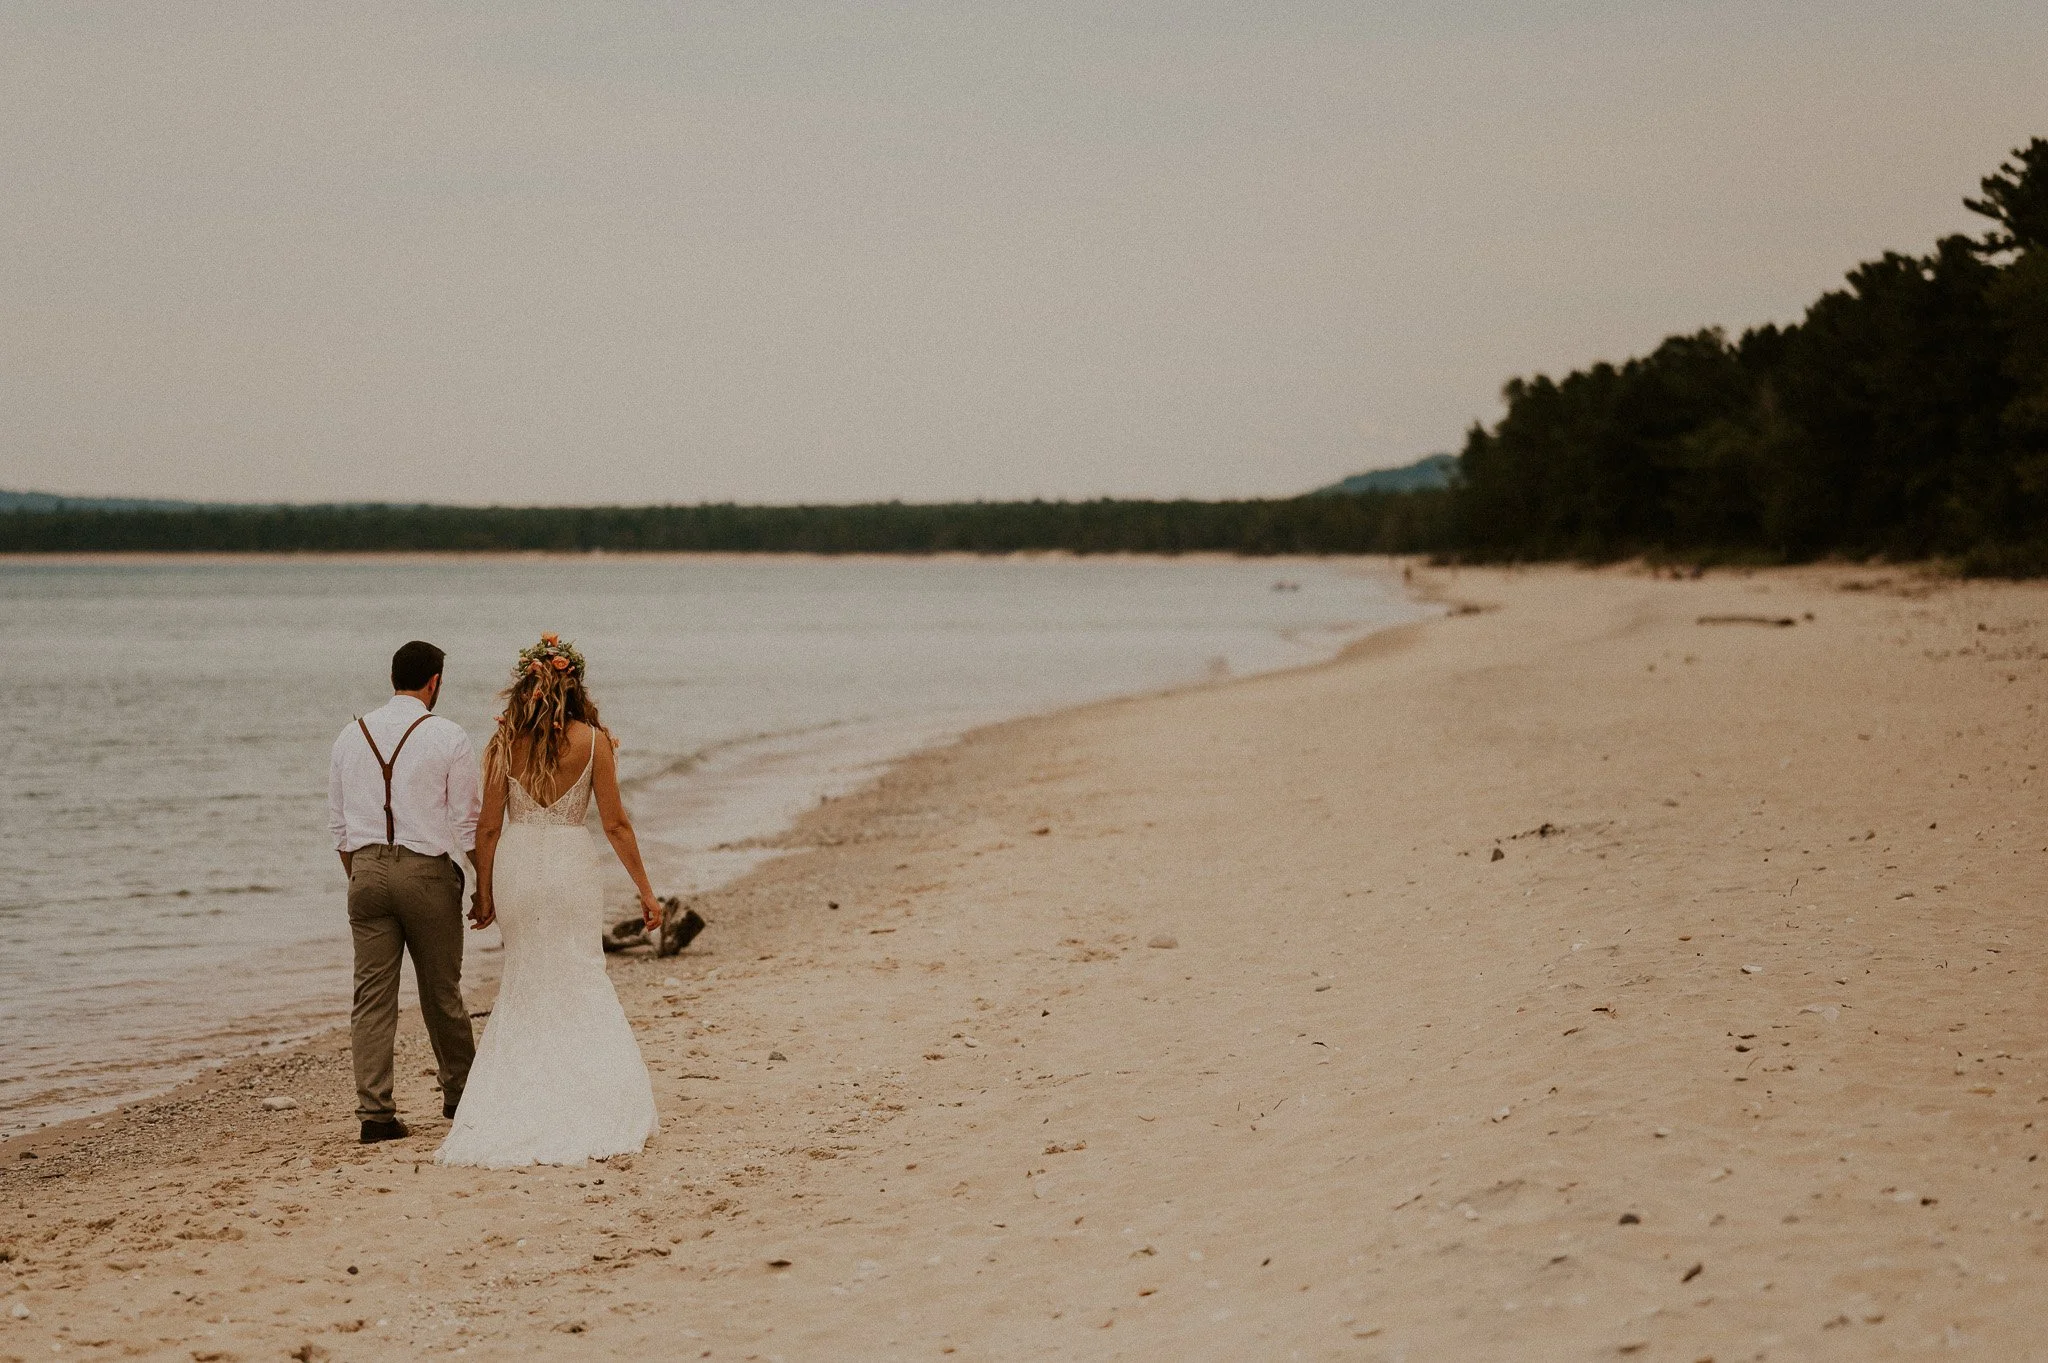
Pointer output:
x,y
490,825
618,829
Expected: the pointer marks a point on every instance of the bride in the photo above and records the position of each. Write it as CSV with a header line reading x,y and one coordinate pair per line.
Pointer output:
x,y
558,1078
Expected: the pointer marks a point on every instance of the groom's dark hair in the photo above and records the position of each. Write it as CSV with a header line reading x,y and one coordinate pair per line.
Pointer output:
x,y
414,665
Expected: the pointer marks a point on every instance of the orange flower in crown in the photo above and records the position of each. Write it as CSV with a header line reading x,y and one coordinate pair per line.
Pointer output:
x,y
549,653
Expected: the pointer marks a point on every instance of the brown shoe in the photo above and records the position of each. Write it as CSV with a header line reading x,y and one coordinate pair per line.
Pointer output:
x,y
391,1130
678,929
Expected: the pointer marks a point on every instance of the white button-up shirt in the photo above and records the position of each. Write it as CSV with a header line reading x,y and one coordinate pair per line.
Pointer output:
x,y
436,790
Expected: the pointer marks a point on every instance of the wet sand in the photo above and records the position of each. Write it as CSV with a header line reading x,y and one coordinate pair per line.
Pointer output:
x,y
1566,978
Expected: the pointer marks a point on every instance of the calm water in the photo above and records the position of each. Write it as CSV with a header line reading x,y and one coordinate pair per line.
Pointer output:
x,y
168,894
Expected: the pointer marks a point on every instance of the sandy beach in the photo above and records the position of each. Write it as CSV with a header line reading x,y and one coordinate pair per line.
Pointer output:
x,y
1577,976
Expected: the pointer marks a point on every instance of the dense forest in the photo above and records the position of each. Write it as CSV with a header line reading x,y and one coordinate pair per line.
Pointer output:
x,y
1905,416
1375,522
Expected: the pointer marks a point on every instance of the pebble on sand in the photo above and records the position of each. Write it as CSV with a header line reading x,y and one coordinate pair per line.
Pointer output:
x,y
1752,970
1166,941
20,1312
279,1103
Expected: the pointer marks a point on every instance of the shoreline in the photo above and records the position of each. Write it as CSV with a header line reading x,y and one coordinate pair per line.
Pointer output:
x,y
765,839
164,558
1436,1062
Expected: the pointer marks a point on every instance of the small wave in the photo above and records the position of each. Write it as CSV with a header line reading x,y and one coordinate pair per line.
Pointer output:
x,y
17,906
187,893
690,761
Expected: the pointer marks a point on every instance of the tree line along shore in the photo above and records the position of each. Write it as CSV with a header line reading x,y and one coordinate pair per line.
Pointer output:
x,y
1374,522
1905,416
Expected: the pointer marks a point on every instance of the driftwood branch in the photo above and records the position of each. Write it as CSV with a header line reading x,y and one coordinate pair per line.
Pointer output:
x,y
1780,621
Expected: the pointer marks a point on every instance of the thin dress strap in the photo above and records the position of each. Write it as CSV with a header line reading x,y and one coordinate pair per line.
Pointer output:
x,y
390,818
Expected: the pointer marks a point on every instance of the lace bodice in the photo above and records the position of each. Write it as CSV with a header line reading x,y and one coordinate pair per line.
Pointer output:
x,y
567,811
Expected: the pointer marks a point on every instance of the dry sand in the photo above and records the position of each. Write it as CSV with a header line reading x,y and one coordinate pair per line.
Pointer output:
x,y
1561,979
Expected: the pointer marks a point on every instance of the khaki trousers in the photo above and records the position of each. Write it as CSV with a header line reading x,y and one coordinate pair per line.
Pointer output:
x,y
400,900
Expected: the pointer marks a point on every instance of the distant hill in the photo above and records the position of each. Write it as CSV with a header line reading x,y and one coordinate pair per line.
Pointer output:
x,y
1437,470
50,501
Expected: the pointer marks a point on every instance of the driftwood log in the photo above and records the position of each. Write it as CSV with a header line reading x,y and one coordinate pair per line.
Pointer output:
x,y
680,925
1777,621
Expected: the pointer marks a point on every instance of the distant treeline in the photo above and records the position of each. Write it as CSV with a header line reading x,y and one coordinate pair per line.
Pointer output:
x,y
1906,416
1383,522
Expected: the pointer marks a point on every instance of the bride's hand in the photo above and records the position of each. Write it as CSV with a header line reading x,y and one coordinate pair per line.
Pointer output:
x,y
650,912
482,913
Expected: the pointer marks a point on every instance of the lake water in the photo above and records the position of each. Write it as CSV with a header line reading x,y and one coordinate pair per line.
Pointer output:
x,y
168,893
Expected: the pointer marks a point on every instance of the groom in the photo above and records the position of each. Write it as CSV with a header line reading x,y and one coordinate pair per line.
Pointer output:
x,y
403,794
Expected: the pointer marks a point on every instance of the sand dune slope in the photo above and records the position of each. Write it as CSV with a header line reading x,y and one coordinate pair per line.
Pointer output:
x,y
1564,979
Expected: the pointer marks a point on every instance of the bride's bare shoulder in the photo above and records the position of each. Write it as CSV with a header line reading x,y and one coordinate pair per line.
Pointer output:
x,y
581,732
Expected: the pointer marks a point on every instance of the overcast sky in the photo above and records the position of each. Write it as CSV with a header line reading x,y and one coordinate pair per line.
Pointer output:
x,y
642,252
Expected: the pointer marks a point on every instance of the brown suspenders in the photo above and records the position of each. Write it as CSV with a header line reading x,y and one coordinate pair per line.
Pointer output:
x,y
390,819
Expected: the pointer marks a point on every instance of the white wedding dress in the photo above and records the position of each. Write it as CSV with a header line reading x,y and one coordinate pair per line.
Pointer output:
x,y
558,1078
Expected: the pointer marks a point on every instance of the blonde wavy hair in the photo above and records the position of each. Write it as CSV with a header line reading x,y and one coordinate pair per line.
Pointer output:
x,y
547,694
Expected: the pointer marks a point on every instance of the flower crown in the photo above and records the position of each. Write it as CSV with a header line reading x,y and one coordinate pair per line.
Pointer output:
x,y
550,654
